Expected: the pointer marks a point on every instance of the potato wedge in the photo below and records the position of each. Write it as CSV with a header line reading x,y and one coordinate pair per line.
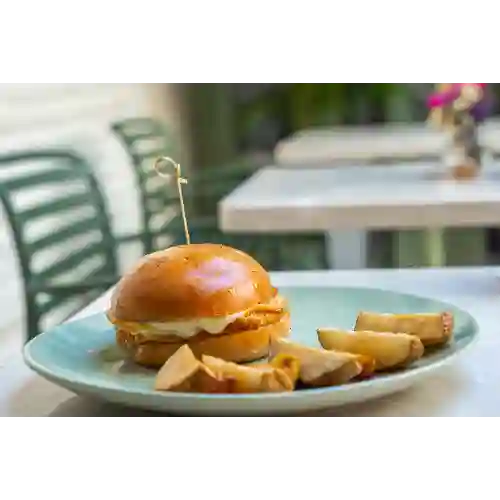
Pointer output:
x,y
184,373
286,369
319,367
431,328
289,364
241,379
389,350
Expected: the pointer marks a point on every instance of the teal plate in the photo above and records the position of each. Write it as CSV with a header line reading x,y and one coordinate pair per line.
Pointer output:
x,y
71,355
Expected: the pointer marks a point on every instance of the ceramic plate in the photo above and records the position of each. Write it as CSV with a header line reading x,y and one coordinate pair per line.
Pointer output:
x,y
72,356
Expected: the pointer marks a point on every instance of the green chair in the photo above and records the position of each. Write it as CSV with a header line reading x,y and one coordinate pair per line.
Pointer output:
x,y
61,232
144,140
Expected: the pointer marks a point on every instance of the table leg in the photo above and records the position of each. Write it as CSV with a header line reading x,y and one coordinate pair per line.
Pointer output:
x,y
435,248
409,249
447,247
347,249
420,248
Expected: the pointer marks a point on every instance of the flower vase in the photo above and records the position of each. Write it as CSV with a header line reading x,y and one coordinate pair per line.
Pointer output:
x,y
463,155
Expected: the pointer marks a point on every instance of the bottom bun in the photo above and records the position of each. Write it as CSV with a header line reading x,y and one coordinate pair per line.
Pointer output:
x,y
240,347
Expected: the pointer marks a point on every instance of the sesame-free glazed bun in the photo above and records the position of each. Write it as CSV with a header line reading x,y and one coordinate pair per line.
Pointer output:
x,y
214,298
191,281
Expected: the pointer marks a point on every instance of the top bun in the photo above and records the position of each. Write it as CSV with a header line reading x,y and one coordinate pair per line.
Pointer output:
x,y
188,282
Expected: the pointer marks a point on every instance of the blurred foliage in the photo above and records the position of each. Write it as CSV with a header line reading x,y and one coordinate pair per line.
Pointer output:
x,y
336,103
228,119
286,108
211,122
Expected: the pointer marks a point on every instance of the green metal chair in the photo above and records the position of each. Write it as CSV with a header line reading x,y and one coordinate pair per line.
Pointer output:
x,y
144,140
61,232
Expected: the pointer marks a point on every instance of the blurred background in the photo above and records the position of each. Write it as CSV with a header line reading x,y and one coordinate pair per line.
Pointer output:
x,y
80,201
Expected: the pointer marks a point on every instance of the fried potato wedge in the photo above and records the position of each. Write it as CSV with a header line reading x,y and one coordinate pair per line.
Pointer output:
x,y
241,379
184,373
431,328
319,367
389,350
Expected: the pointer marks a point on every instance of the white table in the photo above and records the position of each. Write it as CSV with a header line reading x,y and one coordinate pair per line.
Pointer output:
x,y
357,199
328,146
468,388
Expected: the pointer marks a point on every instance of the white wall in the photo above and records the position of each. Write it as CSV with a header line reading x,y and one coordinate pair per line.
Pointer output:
x,y
77,115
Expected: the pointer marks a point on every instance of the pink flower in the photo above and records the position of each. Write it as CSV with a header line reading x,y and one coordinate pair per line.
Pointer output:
x,y
439,99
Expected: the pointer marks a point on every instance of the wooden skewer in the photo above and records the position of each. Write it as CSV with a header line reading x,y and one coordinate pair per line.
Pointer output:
x,y
179,181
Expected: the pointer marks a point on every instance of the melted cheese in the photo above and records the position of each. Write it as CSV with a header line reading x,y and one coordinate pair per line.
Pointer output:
x,y
184,329
188,328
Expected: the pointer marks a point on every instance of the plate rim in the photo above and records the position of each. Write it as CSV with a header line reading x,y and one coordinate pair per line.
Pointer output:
x,y
57,376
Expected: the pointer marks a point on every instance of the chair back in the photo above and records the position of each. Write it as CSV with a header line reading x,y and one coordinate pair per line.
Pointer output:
x,y
60,229
144,140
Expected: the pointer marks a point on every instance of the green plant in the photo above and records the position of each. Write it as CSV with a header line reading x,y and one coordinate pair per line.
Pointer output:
x,y
314,104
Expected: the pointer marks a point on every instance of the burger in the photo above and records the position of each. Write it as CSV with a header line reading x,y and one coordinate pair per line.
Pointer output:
x,y
214,298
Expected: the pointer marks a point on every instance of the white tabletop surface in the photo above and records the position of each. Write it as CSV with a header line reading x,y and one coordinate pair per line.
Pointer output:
x,y
382,197
467,388
331,145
